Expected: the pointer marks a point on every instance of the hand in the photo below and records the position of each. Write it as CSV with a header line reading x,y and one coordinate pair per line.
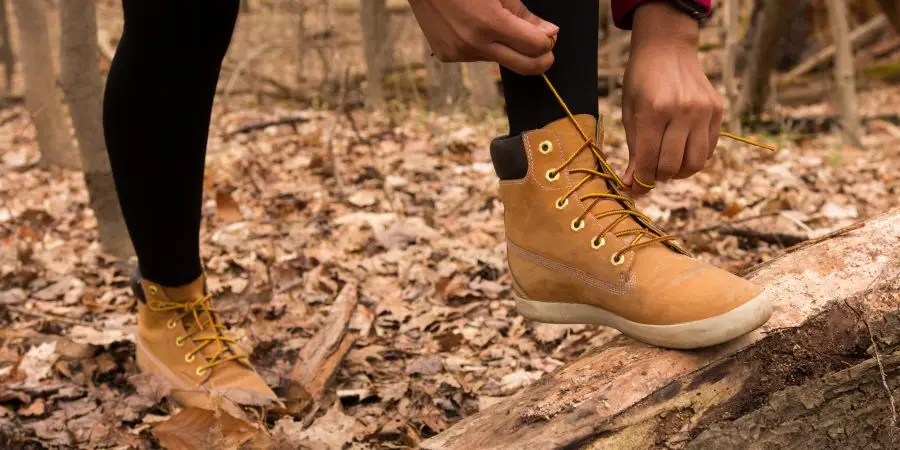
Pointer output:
x,y
671,112
503,31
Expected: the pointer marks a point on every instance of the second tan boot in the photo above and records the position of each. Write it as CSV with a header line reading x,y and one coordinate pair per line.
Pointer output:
x,y
181,338
579,252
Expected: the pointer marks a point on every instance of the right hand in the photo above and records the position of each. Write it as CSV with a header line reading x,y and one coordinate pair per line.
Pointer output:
x,y
503,31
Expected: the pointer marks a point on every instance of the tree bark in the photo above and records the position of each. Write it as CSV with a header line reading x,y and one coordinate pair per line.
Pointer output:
x,y
42,98
844,73
861,33
824,372
760,64
732,31
445,83
891,9
6,53
374,20
83,89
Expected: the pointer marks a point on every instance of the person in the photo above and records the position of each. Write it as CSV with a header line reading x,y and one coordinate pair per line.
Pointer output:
x,y
578,250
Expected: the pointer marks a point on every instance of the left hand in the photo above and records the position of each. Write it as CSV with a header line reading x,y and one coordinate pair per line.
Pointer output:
x,y
671,112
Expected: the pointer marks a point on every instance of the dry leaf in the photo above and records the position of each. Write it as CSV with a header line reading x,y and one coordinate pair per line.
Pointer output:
x,y
227,209
202,429
37,363
36,408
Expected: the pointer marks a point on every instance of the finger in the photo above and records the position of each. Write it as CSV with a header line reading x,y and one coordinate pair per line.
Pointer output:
x,y
520,10
517,62
522,35
715,125
672,149
648,139
630,139
696,152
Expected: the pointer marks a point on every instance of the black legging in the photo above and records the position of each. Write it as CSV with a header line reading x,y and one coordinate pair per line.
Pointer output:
x,y
159,97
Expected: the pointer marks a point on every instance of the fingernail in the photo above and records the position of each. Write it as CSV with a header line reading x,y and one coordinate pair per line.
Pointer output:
x,y
548,28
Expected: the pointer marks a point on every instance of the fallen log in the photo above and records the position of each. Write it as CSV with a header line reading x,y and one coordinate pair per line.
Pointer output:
x,y
824,372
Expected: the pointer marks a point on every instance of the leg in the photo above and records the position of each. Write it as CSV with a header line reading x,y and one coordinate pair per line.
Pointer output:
x,y
529,104
158,101
159,96
578,250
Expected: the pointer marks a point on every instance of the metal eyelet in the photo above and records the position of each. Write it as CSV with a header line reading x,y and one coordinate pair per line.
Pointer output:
x,y
562,203
153,290
171,324
598,242
545,147
577,224
552,175
200,371
617,259
189,357
179,342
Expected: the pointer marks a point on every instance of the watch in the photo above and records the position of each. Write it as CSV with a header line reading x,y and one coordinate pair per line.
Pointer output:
x,y
692,8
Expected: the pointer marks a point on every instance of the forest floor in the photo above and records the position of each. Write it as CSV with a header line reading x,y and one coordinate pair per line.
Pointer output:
x,y
410,215
417,225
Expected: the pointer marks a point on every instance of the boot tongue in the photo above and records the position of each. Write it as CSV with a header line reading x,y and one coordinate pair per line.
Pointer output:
x,y
188,292
572,140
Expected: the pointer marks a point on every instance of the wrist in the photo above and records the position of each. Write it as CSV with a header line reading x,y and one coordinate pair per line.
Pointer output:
x,y
660,22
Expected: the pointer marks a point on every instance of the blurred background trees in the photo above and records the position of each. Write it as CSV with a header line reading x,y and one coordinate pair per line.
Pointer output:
x,y
349,54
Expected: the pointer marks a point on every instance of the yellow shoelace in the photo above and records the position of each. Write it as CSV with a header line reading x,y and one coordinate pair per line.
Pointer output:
x,y
204,316
649,233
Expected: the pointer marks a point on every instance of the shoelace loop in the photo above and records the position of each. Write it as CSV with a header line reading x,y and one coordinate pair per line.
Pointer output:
x,y
649,233
204,320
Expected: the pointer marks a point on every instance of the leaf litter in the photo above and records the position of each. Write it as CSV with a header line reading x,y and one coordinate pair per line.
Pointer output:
x,y
381,314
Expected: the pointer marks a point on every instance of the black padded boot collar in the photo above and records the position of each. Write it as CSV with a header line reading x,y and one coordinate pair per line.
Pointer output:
x,y
509,158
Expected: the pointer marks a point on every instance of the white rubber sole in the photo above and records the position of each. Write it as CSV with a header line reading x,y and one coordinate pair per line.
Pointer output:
x,y
697,334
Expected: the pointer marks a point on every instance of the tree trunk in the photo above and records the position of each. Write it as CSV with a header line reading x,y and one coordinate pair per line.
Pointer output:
x,y
42,97
374,20
6,53
824,372
483,84
891,9
83,89
760,62
445,83
844,74
732,29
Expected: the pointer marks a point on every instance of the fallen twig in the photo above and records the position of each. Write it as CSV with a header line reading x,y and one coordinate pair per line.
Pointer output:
x,y
267,124
827,53
46,316
319,359
781,239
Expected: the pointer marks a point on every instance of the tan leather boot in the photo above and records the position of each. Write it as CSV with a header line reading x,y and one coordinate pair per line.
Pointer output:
x,y
579,252
180,337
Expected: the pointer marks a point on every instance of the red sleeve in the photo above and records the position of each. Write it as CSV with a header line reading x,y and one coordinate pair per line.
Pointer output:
x,y
623,10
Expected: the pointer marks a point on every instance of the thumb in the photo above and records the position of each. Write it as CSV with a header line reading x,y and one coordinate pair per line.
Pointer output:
x,y
519,10
628,177
631,142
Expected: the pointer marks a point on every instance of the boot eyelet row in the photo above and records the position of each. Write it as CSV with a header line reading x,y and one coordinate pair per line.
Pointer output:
x,y
577,225
179,342
562,203
546,147
171,324
189,358
617,259
552,175
200,371
153,290
598,242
